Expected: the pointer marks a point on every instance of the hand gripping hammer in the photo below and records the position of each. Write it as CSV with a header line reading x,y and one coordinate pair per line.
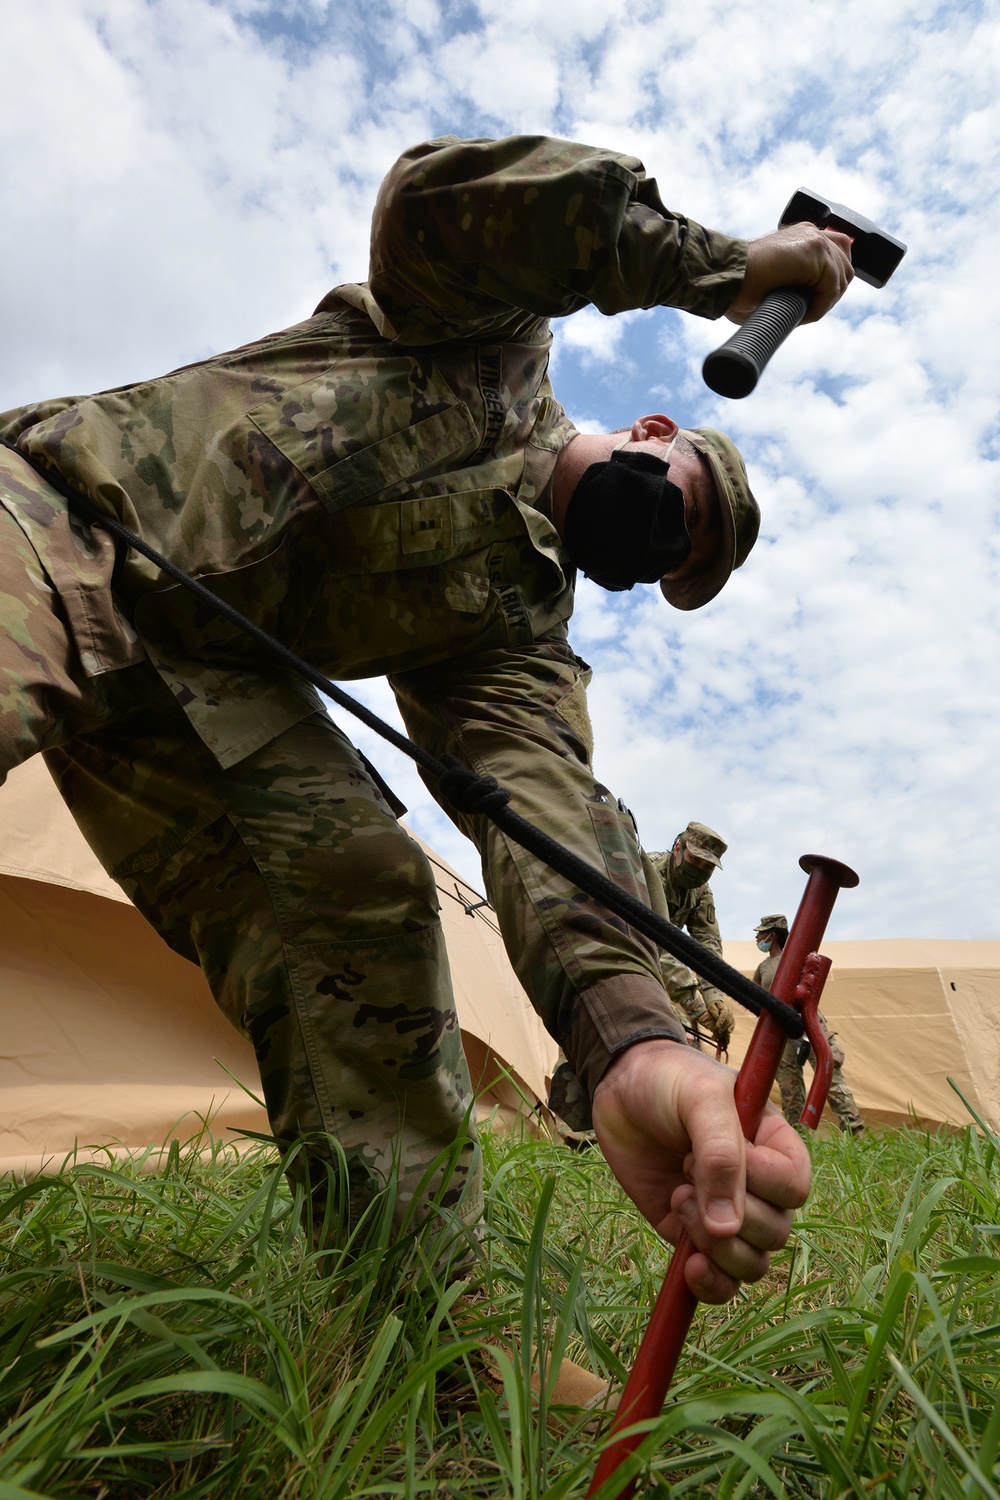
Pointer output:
x,y
799,981
734,368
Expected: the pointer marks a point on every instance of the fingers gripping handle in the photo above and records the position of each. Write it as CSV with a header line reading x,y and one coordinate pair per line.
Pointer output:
x,y
735,368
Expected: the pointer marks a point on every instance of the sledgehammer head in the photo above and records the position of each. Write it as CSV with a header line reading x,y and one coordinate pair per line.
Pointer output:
x,y
734,369
874,254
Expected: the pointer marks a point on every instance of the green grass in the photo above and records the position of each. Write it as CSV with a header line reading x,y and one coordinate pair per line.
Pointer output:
x,y
170,1334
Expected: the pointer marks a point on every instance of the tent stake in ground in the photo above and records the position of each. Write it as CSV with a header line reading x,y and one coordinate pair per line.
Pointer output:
x,y
799,982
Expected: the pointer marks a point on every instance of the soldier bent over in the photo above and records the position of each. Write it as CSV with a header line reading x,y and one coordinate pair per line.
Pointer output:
x,y
391,487
684,873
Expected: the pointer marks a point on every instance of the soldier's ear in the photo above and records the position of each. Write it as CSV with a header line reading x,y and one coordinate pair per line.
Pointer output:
x,y
656,425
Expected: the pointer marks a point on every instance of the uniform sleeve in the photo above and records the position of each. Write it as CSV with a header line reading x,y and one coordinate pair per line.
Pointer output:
x,y
678,979
703,924
485,238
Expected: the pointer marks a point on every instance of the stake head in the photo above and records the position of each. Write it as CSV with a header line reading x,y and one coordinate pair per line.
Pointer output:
x,y
842,874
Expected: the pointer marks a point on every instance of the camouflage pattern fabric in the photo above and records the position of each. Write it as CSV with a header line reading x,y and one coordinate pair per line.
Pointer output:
x,y
46,695
373,487
568,1102
361,465
702,1005
314,918
513,714
685,996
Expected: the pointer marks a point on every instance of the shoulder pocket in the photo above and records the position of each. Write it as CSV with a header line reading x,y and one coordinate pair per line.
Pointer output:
x,y
366,425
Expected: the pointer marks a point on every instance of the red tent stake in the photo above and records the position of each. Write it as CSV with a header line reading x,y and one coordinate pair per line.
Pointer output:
x,y
798,981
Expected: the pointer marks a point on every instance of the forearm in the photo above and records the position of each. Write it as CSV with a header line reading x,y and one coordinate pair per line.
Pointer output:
x,y
471,232
678,980
593,980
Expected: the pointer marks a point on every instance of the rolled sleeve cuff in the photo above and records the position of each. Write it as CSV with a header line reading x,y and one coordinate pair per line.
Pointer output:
x,y
611,1016
712,269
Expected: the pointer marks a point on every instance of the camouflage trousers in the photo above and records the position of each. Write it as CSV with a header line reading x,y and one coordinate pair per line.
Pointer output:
x,y
311,912
791,1082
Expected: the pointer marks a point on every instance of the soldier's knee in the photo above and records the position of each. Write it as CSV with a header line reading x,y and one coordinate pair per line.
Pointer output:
x,y
18,741
380,875
397,870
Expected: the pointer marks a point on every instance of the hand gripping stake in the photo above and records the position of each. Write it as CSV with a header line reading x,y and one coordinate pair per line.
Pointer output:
x,y
798,981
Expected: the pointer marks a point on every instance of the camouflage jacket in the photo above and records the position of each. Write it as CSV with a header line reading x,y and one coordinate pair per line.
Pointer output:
x,y
346,482
694,910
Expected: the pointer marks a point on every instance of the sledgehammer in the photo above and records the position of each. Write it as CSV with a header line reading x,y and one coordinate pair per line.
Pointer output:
x,y
734,368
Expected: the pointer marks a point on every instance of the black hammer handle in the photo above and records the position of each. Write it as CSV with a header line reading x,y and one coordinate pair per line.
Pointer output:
x,y
735,368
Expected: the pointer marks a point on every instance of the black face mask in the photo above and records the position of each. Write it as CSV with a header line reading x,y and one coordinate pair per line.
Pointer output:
x,y
625,522
691,876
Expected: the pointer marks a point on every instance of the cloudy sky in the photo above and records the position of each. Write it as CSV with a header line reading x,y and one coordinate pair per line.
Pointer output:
x,y
181,176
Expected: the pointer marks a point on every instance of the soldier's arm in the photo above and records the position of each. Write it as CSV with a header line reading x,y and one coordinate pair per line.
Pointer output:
x,y
703,923
677,977
678,980
481,238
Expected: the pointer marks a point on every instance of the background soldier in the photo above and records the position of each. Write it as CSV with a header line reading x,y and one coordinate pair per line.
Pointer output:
x,y
684,874
772,934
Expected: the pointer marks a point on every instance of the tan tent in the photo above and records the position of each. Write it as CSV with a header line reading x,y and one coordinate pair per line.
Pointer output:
x,y
910,1014
109,1037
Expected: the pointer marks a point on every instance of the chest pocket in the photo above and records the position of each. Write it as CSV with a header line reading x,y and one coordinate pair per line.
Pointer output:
x,y
367,424
429,531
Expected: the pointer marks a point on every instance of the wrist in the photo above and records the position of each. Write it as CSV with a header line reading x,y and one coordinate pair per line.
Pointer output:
x,y
634,1059
610,1018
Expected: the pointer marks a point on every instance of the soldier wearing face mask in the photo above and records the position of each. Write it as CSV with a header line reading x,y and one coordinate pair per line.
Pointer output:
x,y
685,872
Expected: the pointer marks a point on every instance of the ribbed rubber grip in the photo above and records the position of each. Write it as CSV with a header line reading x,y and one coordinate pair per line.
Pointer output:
x,y
735,368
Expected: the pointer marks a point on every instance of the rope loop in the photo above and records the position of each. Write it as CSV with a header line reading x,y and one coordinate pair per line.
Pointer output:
x,y
470,792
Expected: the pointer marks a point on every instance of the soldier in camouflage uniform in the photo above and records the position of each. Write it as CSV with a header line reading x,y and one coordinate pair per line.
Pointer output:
x,y
390,486
684,873
771,934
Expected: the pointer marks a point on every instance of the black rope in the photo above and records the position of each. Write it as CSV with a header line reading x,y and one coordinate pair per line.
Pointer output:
x,y
467,791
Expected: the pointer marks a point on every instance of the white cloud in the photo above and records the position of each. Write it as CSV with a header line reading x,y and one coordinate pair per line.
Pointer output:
x,y
594,338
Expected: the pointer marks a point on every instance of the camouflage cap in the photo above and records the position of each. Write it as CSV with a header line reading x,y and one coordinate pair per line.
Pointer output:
x,y
777,922
704,842
740,520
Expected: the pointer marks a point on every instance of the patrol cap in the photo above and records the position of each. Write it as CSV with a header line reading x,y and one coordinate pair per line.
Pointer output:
x,y
778,922
740,520
704,842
